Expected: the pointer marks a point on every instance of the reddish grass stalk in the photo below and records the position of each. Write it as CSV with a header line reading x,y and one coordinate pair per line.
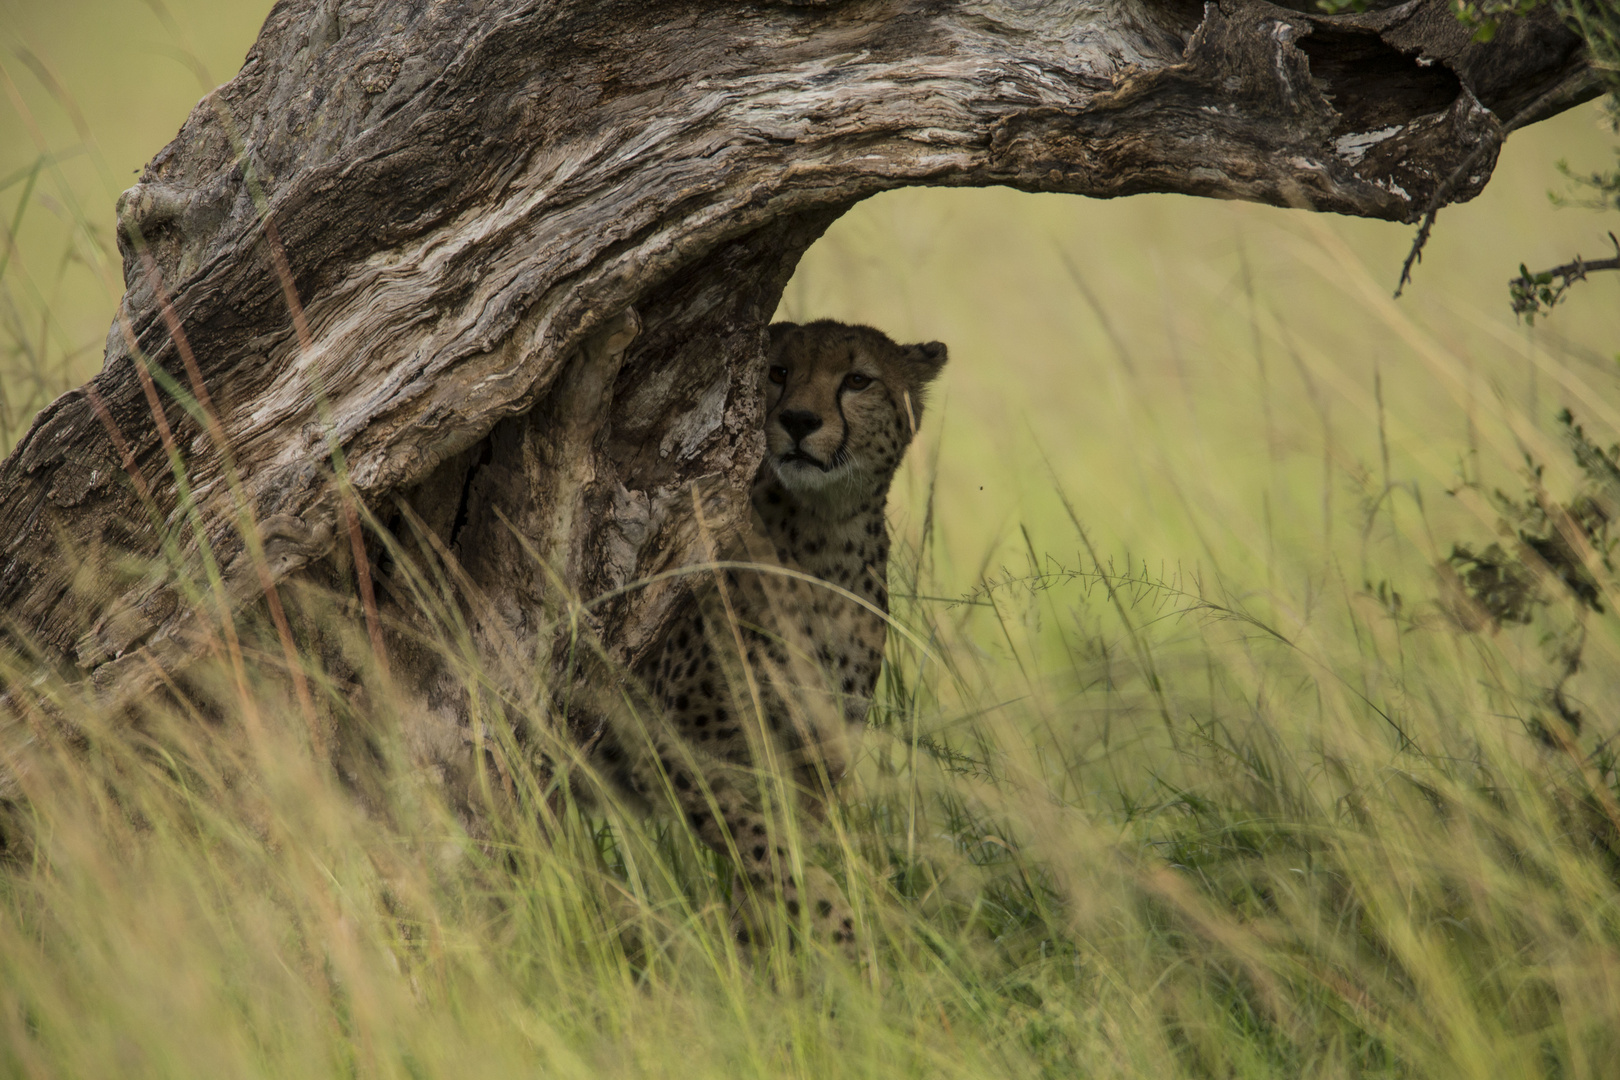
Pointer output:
x,y
233,647
119,442
216,434
346,496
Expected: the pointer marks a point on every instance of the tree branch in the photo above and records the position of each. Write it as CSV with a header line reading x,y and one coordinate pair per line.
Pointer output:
x,y
1534,293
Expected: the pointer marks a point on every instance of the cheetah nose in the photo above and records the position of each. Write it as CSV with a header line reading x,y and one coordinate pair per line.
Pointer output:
x,y
798,423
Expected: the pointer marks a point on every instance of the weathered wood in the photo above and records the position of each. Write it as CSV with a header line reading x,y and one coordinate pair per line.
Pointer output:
x,y
429,233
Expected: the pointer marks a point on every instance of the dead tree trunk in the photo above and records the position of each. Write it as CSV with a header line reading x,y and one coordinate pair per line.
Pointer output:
x,y
514,258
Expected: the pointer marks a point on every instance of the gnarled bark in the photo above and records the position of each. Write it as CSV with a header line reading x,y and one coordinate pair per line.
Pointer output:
x,y
515,259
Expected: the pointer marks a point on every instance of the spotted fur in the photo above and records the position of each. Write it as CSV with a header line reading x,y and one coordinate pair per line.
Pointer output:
x,y
764,683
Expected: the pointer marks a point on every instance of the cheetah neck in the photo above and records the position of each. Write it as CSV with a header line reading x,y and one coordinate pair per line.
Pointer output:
x,y
841,539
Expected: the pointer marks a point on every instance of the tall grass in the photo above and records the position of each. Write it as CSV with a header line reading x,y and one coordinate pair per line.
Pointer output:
x,y
1110,822
1192,761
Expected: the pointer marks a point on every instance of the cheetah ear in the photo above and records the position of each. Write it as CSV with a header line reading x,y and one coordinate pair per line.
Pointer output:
x,y
779,332
926,360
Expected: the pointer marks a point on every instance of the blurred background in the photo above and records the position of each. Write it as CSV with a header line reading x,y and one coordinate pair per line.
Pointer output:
x,y
93,90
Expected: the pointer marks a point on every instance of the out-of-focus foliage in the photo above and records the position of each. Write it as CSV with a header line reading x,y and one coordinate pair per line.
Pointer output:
x,y
1566,541
1559,566
1483,16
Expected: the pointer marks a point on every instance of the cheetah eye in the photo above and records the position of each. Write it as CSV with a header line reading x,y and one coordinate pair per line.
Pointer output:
x,y
856,381
778,374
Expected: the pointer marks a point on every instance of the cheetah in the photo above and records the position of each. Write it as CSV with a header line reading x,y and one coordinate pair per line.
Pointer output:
x,y
761,687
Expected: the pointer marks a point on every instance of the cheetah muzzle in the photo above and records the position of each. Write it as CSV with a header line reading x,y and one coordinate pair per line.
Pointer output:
x,y
760,688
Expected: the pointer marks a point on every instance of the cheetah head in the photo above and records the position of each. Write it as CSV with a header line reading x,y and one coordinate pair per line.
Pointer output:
x,y
842,403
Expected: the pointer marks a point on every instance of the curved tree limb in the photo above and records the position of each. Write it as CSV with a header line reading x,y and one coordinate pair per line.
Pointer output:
x,y
503,266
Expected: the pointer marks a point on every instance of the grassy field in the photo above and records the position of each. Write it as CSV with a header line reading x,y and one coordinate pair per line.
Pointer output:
x,y
1194,757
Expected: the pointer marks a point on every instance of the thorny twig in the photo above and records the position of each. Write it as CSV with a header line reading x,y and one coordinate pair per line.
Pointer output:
x,y
1533,292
